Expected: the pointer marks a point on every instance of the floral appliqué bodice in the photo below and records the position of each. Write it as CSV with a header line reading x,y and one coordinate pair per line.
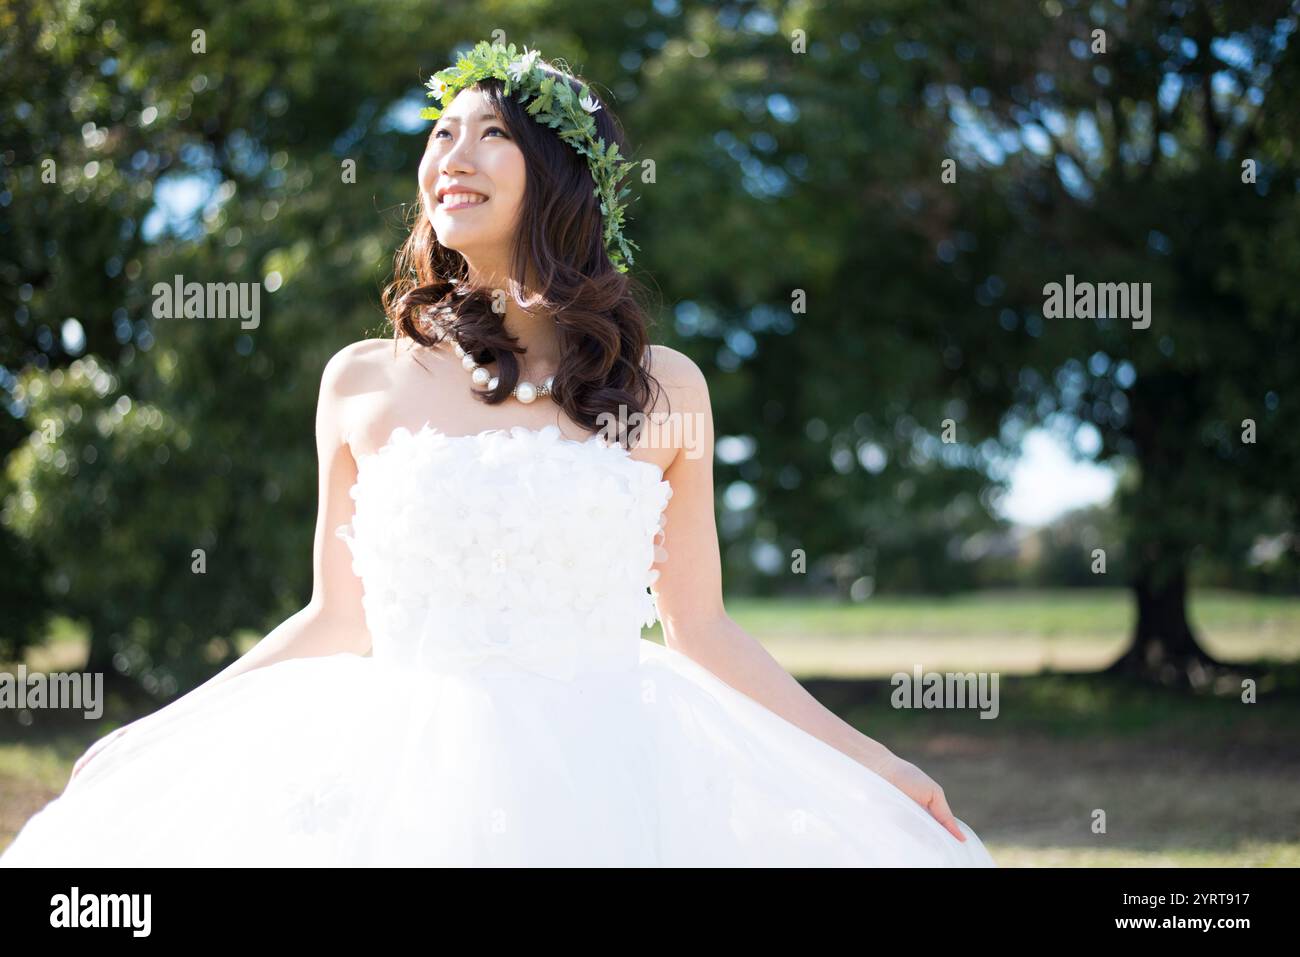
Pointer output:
x,y
521,547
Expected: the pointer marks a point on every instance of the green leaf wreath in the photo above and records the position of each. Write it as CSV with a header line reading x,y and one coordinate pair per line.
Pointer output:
x,y
556,105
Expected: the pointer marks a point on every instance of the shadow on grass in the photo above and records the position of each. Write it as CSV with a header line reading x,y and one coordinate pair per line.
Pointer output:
x,y
1084,768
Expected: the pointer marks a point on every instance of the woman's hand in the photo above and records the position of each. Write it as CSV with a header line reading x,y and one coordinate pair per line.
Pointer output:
x,y
921,788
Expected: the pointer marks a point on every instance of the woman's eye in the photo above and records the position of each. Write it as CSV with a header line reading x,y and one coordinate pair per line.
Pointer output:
x,y
490,129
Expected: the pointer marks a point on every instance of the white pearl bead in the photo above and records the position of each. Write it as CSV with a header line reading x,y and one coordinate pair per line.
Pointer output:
x,y
549,382
493,382
480,376
469,363
525,392
460,351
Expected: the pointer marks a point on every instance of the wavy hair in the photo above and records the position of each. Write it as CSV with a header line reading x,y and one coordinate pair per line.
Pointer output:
x,y
602,328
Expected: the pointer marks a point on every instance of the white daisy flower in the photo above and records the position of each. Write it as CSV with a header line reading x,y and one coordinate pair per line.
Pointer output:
x,y
437,86
589,103
521,66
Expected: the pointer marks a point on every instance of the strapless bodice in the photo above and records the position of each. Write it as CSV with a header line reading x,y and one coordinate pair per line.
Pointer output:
x,y
514,547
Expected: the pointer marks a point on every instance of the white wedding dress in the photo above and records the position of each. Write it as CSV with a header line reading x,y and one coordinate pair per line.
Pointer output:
x,y
510,712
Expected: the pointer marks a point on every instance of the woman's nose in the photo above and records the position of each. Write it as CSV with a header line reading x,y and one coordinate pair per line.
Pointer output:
x,y
458,158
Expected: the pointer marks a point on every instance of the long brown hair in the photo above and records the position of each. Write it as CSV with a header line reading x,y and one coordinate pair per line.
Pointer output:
x,y
602,328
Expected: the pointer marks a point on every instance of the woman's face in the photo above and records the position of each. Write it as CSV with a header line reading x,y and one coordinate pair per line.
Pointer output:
x,y
471,150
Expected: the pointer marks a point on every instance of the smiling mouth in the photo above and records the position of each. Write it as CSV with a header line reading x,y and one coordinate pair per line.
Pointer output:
x,y
459,203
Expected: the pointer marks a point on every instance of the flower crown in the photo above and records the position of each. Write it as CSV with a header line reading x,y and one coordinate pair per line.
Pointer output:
x,y
554,104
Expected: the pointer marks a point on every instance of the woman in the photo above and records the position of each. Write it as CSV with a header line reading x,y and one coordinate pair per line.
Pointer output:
x,y
468,684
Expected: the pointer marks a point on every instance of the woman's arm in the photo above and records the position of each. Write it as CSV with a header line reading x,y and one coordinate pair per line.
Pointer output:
x,y
695,622
333,620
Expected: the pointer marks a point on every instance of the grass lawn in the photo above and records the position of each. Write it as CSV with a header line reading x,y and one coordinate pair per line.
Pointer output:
x,y
1181,781
1012,632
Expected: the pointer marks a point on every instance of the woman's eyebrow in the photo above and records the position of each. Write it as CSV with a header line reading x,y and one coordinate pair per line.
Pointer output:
x,y
485,116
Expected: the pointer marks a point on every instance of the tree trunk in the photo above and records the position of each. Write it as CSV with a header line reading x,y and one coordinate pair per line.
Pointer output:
x,y
1164,647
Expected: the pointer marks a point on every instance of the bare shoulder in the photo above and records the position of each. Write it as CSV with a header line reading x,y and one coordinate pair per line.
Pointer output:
x,y
364,366
350,382
356,361
677,372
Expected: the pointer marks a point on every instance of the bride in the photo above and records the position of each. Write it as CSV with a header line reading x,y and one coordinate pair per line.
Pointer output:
x,y
468,685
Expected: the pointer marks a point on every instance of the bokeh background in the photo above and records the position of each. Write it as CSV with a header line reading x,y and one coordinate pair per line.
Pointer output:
x,y
853,211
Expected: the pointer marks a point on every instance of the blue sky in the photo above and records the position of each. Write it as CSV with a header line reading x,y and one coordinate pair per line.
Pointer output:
x,y
1047,481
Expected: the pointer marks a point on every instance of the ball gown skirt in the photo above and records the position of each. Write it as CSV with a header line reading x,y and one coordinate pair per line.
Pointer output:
x,y
510,713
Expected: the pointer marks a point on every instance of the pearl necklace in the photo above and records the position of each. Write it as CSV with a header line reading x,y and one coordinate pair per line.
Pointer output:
x,y
524,391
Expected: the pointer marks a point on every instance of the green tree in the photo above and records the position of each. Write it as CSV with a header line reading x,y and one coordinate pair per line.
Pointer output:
x,y
1150,143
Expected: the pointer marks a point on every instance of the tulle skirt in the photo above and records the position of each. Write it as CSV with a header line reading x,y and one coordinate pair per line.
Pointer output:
x,y
347,760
